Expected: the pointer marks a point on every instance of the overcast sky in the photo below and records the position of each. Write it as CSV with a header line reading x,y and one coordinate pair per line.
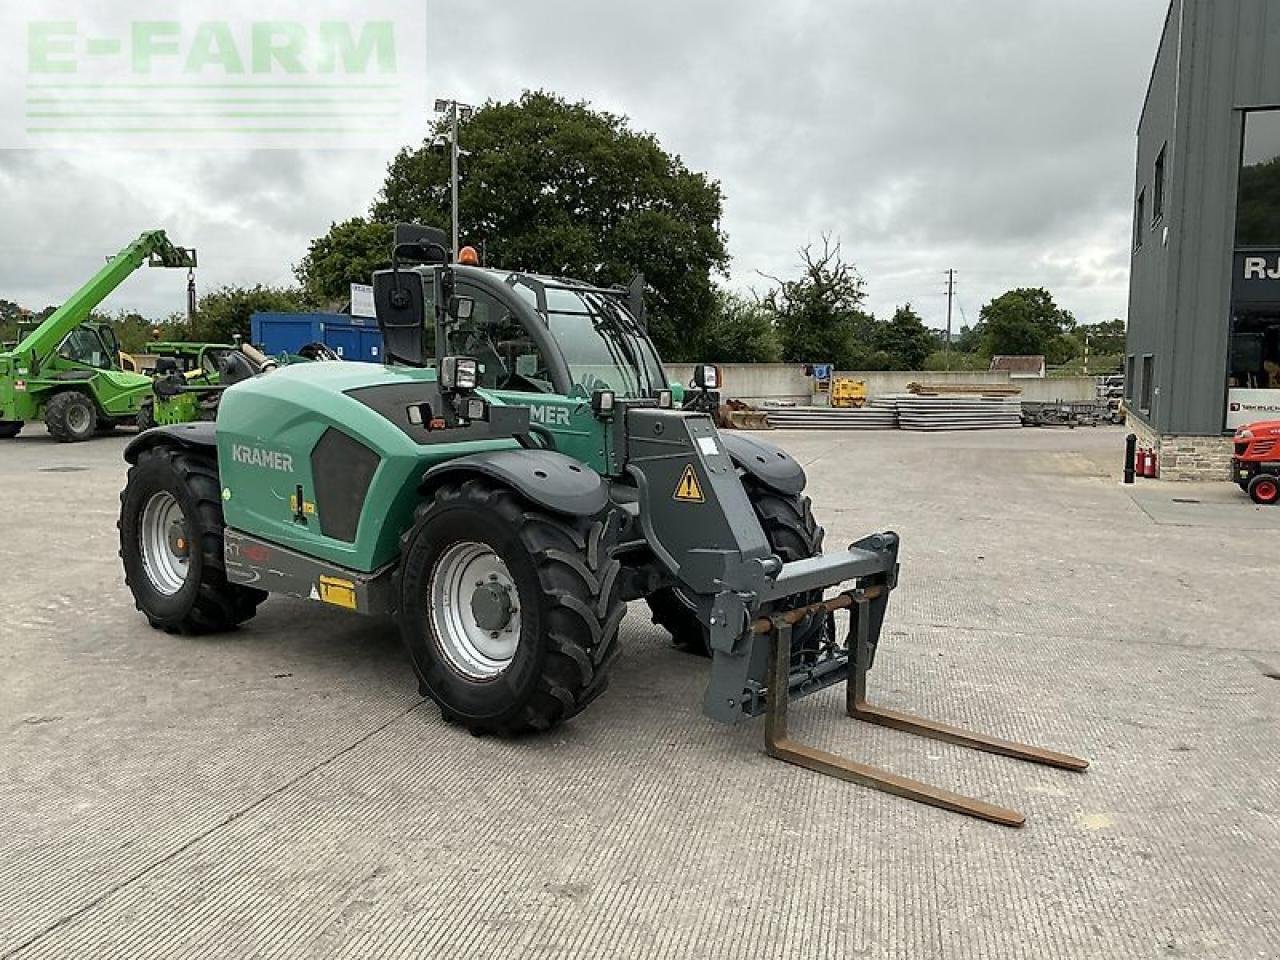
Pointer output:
x,y
992,136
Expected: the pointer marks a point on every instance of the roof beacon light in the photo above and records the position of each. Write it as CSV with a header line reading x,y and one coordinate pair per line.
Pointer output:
x,y
468,257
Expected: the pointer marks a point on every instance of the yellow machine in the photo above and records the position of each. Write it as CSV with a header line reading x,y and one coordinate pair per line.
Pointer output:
x,y
847,392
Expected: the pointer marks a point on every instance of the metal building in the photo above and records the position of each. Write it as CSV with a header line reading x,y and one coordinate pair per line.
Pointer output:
x,y
1204,304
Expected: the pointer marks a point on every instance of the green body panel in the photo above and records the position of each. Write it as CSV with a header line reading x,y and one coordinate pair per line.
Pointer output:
x,y
267,429
184,408
576,431
117,393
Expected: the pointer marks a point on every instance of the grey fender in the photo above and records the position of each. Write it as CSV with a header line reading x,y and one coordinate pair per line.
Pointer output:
x,y
200,435
544,477
774,468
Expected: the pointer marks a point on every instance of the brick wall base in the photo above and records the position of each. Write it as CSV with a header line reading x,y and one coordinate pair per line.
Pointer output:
x,y
1184,457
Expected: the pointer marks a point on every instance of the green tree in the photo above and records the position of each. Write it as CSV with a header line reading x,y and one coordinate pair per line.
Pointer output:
x,y
553,187
225,313
905,340
1027,321
349,253
819,316
739,330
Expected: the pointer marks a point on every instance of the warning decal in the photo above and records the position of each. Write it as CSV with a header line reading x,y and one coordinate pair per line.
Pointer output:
x,y
688,489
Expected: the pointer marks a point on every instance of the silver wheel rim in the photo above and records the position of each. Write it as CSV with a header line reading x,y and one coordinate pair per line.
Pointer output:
x,y
78,418
163,539
471,649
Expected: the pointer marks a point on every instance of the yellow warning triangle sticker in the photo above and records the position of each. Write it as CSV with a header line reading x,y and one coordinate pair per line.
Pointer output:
x,y
688,490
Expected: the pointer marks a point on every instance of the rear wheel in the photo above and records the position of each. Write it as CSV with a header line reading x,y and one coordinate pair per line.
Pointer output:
x,y
793,534
510,613
171,544
70,416
1265,489
10,429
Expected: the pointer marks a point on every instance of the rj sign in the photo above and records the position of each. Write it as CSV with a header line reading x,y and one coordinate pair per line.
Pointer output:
x,y
252,74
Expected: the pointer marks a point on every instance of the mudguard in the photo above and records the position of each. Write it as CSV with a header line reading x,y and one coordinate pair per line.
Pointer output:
x,y
545,477
201,435
774,468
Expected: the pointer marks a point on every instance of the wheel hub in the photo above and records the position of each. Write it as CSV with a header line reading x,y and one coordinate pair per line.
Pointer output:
x,y
491,606
178,539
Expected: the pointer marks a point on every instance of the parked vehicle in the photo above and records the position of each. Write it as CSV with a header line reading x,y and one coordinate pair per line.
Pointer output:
x,y
1255,465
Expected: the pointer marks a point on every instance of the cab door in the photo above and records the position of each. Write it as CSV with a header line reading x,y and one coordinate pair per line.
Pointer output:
x,y
514,369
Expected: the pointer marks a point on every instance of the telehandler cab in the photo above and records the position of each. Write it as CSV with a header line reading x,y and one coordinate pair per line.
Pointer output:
x,y
503,485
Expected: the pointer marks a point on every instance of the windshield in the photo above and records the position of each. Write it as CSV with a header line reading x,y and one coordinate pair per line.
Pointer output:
x,y
601,342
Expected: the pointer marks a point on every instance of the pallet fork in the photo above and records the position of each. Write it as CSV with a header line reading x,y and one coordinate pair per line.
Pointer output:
x,y
866,606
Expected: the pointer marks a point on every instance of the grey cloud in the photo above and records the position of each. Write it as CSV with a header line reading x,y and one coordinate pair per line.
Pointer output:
x,y
994,136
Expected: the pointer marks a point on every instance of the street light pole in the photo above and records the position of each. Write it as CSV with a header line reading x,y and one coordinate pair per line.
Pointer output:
x,y
455,110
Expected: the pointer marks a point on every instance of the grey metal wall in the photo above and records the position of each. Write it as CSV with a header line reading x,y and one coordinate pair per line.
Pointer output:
x,y
1213,62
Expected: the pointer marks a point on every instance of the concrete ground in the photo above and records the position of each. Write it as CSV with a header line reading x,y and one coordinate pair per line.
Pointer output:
x,y
283,791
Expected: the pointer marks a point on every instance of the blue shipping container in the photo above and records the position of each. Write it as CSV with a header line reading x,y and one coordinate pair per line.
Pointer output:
x,y
352,338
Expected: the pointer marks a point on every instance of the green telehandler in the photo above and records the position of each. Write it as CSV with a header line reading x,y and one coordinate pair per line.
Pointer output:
x,y
67,370
512,476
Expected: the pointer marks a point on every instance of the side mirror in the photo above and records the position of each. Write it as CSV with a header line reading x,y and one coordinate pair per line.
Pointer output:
x,y
706,377
461,308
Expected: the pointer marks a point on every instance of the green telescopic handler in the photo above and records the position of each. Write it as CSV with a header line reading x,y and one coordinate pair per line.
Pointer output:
x,y
67,370
514,474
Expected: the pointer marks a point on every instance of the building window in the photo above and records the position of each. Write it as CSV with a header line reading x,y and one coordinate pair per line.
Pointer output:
x,y
1129,370
1157,188
1140,220
1258,200
1148,375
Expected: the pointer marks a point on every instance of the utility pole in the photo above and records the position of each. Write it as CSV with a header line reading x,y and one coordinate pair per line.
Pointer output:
x,y
456,111
951,295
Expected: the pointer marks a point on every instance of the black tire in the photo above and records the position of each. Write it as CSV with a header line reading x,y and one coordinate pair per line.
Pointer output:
x,y
146,417
206,602
10,429
1264,489
565,580
794,534
70,416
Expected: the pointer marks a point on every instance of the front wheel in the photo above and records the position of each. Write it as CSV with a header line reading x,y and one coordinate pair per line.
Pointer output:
x,y
171,544
1264,489
510,613
146,417
71,416
793,534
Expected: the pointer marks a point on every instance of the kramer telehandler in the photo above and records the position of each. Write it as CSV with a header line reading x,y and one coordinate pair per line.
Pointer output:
x,y
67,370
502,486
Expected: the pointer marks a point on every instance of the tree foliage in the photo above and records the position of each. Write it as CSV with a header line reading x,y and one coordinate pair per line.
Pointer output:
x,y
225,313
739,330
905,341
819,315
1027,321
552,187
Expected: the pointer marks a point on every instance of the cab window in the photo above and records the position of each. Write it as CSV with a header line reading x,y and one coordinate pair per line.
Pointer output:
x,y
82,345
508,357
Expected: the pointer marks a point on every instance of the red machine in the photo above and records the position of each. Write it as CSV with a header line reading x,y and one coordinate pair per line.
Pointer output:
x,y
1256,463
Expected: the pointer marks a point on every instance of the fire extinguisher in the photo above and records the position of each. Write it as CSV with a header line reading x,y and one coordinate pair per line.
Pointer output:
x,y
1140,463
1153,465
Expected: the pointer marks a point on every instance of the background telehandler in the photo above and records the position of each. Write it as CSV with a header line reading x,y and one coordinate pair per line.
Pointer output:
x,y
67,370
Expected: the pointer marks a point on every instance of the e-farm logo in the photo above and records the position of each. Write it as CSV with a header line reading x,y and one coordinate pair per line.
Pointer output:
x,y
261,74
